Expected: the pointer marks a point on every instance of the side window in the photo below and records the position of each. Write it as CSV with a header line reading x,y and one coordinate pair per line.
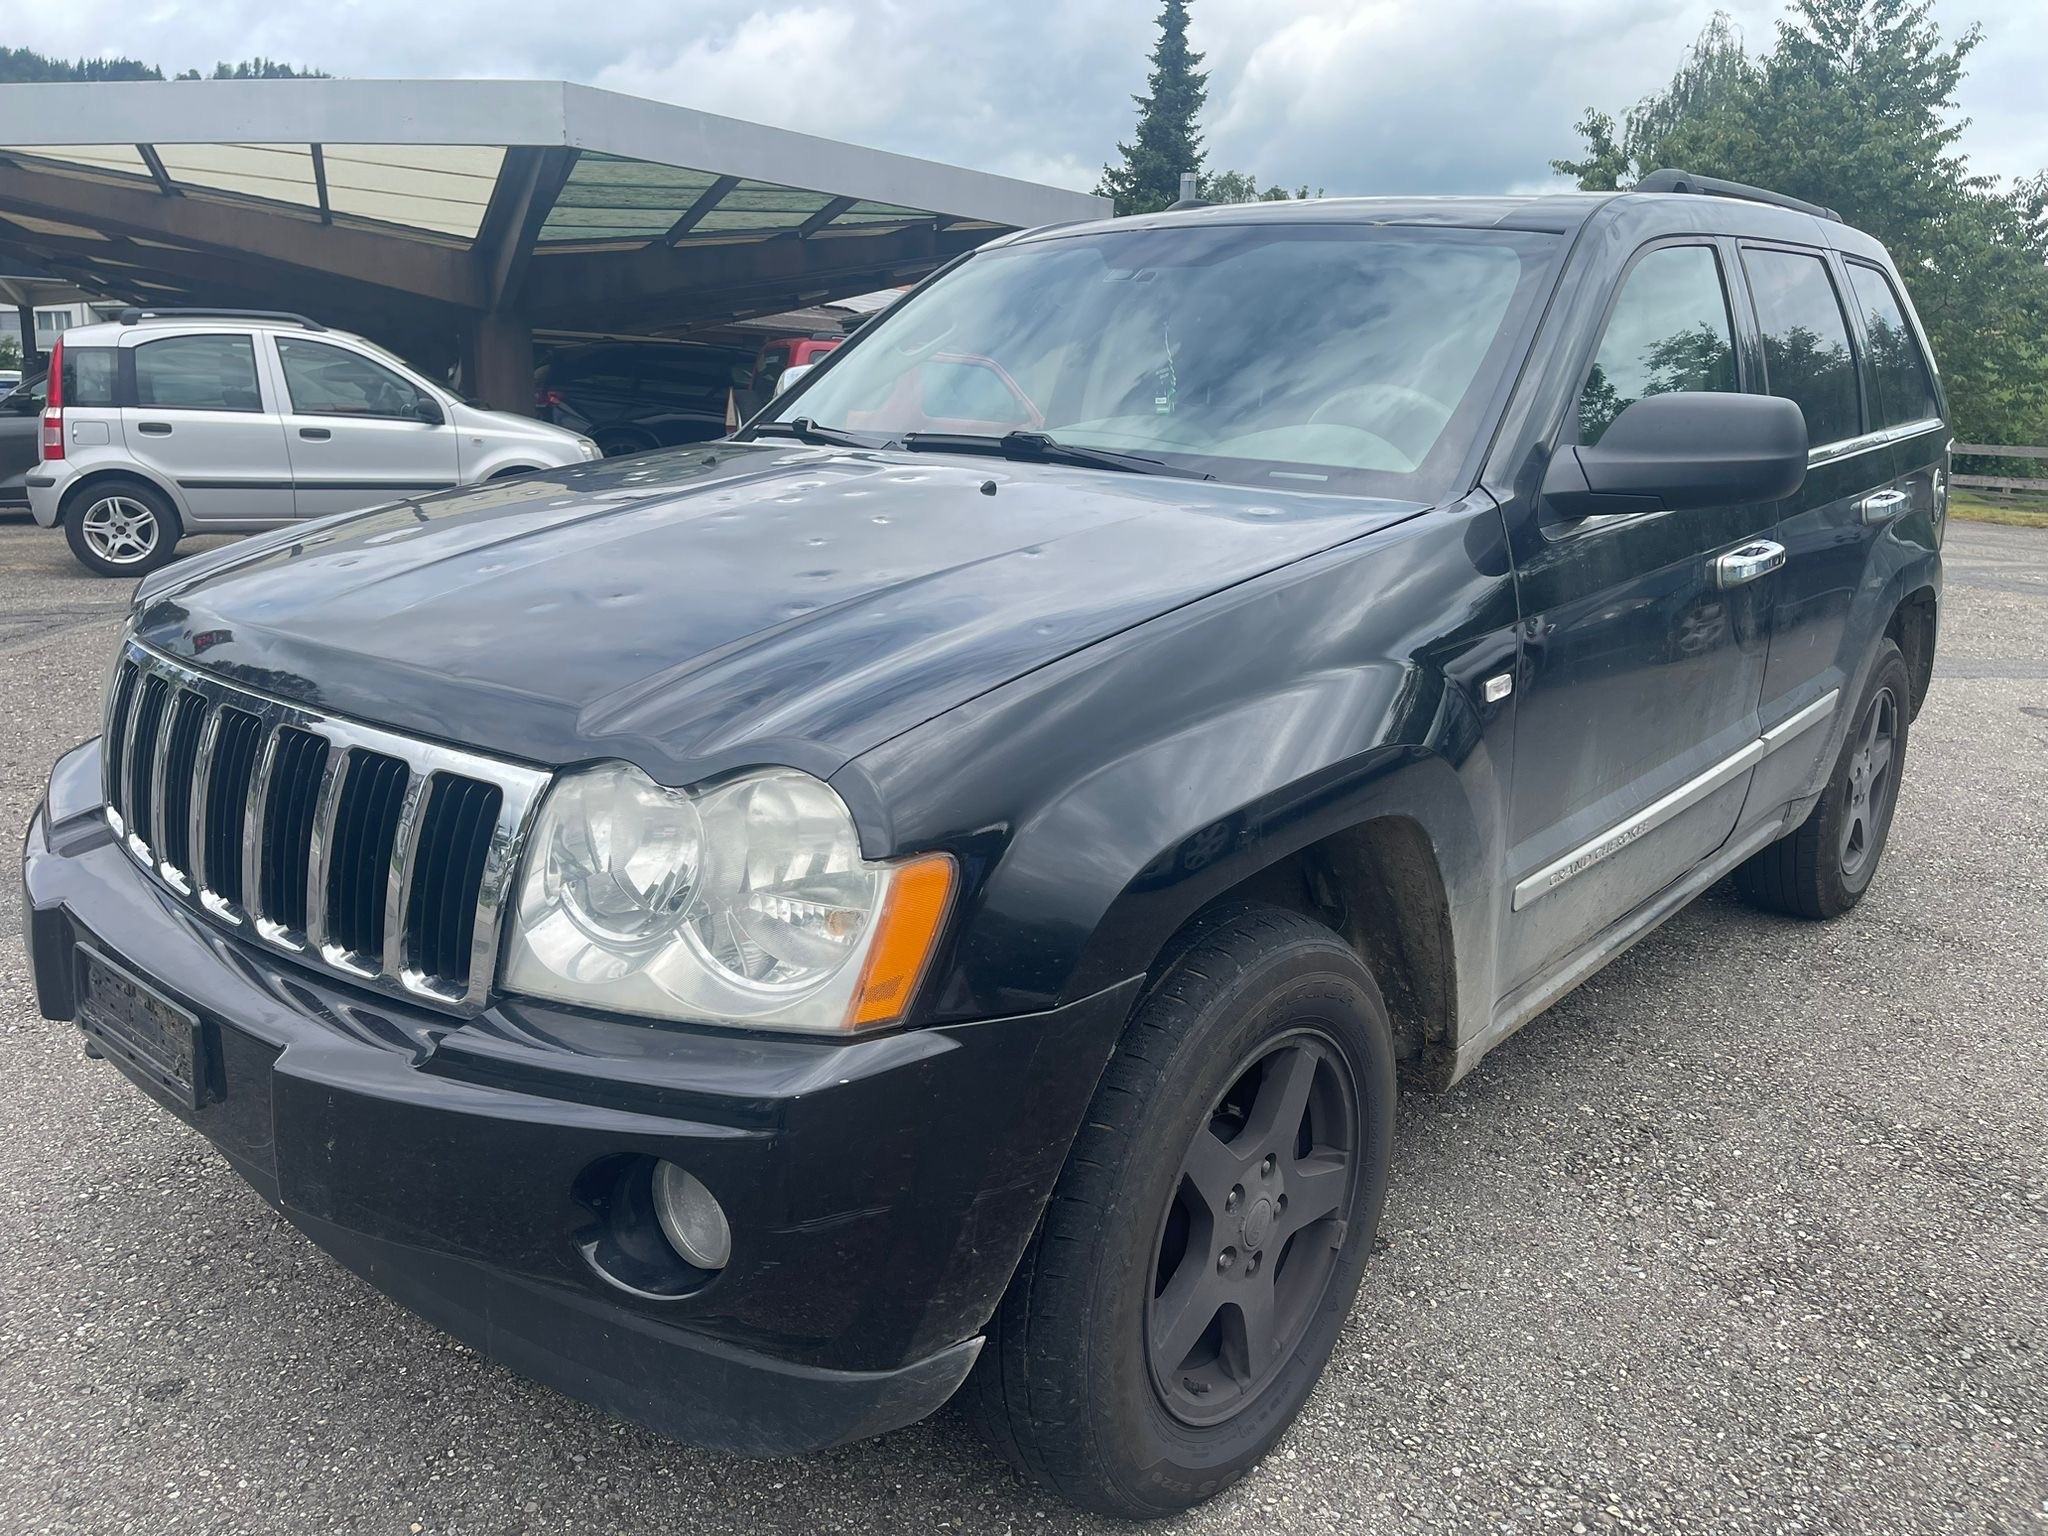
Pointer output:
x,y
1898,371
197,373
328,381
88,376
1806,341
1669,331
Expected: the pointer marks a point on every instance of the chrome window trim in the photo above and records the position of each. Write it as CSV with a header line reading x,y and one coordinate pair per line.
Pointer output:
x,y
520,787
1850,447
1663,809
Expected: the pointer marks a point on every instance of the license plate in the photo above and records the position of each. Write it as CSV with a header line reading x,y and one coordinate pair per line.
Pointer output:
x,y
130,1019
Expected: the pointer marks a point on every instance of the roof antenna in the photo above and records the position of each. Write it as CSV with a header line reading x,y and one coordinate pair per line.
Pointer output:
x,y
1190,193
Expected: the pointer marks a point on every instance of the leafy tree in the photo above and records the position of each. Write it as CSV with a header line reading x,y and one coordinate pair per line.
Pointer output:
x,y
20,65
1853,107
10,353
1241,187
256,69
1167,142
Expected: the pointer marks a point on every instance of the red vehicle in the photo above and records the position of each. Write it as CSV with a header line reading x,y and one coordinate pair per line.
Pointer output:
x,y
777,355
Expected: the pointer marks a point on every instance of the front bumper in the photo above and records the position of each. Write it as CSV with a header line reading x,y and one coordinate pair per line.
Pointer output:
x,y
880,1191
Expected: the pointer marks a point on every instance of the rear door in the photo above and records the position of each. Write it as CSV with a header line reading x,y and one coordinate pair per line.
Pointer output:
x,y
359,432
1828,529
1637,710
195,411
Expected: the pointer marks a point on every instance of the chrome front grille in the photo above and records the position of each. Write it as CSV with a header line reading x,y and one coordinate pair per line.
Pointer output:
x,y
363,852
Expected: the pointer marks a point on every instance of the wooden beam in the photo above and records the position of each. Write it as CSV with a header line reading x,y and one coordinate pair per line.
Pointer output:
x,y
529,183
155,162
824,216
707,200
446,274
320,182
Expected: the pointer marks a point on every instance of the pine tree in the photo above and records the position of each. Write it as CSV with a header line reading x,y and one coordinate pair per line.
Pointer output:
x,y
1167,142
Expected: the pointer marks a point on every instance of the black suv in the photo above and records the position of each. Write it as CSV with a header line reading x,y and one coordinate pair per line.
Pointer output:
x,y
633,396
938,890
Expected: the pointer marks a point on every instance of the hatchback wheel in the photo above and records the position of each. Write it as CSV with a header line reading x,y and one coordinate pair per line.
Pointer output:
x,y
1207,1236
121,528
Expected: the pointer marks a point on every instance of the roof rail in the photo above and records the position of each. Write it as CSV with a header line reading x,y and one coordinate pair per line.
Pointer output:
x,y
1713,186
131,316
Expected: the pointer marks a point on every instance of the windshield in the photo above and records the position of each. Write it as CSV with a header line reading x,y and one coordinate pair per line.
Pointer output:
x,y
1347,357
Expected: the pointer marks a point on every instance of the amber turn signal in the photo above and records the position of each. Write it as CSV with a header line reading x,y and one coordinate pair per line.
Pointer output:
x,y
912,915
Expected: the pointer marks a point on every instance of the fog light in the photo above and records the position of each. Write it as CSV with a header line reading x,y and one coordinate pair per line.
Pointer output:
x,y
690,1218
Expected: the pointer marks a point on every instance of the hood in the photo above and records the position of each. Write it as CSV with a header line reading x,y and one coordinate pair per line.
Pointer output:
x,y
477,418
707,608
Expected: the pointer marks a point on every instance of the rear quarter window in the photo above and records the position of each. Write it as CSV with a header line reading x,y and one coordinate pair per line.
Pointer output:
x,y
88,376
1899,374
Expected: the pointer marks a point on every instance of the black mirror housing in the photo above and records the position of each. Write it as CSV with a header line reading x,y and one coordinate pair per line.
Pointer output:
x,y
1680,451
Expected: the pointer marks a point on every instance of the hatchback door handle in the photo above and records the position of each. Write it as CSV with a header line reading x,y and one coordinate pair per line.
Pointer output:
x,y
1880,506
1757,558
154,428
315,434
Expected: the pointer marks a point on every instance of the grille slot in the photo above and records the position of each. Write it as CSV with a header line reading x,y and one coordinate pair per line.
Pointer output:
x,y
288,827
140,759
181,755
454,843
227,801
359,852
116,738
356,850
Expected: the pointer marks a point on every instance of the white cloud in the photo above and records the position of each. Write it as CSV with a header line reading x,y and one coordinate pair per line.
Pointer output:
x,y
1351,95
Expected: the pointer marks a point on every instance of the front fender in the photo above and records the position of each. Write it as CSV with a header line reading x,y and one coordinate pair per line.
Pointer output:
x,y
1097,804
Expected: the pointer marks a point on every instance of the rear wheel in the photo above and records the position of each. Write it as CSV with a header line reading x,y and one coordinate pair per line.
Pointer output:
x,y
1207,1236
121,528
1822,868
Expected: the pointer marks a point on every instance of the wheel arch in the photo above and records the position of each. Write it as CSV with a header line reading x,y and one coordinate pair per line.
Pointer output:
x,y
99,475
1912,627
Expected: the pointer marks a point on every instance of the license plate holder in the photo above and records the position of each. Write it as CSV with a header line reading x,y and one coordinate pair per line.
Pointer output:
x,y
130,1019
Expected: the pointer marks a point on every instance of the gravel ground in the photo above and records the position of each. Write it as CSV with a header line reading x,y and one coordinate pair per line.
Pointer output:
x,y
1749,1234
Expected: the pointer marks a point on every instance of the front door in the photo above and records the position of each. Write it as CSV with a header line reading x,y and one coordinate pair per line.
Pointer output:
x,y
197,415
360,433
1644,649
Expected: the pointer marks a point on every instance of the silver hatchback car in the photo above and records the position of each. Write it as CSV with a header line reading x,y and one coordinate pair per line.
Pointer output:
x,y
167,422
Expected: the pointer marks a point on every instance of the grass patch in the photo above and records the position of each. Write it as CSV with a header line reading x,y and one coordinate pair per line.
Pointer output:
x,y
2019,511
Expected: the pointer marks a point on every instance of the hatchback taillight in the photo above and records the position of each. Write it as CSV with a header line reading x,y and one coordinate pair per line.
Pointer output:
x,y
53,405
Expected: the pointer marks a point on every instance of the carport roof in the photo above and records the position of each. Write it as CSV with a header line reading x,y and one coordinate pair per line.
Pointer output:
x,y
571,207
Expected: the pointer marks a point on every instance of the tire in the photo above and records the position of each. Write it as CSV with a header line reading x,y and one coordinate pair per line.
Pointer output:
x,y
121,527
1077,1386
1822,867
619,444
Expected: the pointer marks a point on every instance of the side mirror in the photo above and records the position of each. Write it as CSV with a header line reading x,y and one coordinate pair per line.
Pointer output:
x,y
791,374
1681,451
430,412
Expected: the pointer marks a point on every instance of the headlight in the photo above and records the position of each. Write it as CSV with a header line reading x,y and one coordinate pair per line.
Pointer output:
x,y
743,902
589,448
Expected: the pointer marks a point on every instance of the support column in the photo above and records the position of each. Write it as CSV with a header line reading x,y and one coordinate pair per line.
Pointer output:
x,y
497,362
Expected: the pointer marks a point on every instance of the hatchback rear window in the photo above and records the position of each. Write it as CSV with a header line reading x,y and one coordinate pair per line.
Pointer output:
x,y
88,375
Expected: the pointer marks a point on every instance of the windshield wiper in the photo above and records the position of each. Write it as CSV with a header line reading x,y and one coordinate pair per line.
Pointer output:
x,y
805,430
1037,447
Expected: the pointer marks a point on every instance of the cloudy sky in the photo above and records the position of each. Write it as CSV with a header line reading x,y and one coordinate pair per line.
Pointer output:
x,y
1348,95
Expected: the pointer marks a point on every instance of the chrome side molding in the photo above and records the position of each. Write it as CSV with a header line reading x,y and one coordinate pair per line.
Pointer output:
x,y
1668,806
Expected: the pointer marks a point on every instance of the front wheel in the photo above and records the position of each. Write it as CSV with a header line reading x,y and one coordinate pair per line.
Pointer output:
x,y
1206,1238
121,528
1822,867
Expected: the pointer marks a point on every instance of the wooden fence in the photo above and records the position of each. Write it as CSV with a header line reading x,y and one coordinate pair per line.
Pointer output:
x,y
2004,484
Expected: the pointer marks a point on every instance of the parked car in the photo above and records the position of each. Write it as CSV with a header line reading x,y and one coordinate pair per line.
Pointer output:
x,y
168,422
934,895
632,397
21,411
778,363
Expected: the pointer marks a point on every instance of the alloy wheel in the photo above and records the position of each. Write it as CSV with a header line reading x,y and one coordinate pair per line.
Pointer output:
x,y
120,530
1252,1235
1871,783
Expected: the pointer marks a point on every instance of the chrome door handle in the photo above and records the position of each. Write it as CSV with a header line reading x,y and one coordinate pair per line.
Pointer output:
x,y
1880,506
1757,558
